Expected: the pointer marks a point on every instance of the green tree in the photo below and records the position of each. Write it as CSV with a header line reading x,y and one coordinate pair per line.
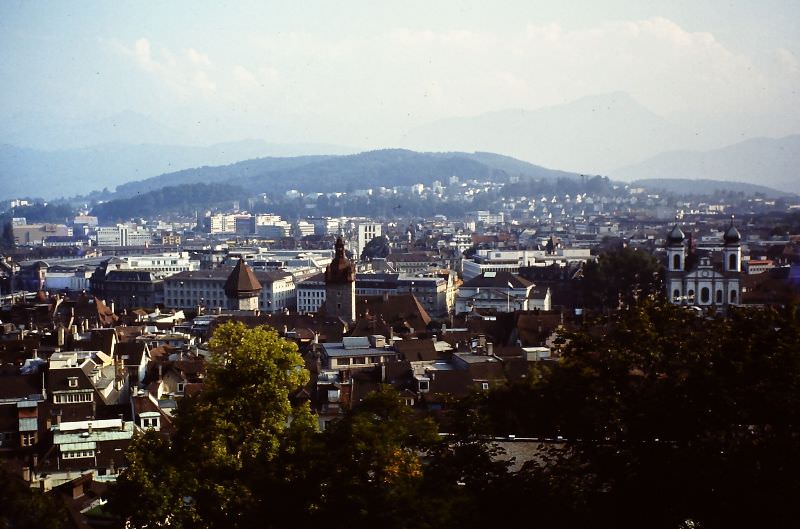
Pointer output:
x,y
377,247
24,508
620,276
669,417
373,465
221,463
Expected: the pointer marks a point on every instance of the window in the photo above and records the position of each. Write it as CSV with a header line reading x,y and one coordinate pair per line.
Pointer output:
x,y
150,422
423,385
181,386
360,360
676,294
676,262
732,262
70,398
704,295
719,296
484,385
733,296
73,382
28,438
690,295
76,454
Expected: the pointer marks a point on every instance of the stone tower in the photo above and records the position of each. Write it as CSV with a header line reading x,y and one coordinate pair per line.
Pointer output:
x,y
340,286
242,288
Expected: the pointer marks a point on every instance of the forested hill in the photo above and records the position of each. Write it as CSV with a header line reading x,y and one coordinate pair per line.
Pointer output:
x,y
181,199
382,168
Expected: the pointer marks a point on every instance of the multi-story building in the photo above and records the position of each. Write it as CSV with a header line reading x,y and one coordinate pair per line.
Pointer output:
x,y
37,233
431,291
162,265
511,260
123,235
366,232
206,288
502,292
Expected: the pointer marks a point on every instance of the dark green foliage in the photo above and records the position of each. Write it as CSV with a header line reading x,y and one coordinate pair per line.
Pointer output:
x,y
377,247
620,276
182,200
53,212
671,417
652,417
24,508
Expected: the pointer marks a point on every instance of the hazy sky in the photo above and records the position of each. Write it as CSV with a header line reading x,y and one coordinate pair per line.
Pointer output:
x,y
361,72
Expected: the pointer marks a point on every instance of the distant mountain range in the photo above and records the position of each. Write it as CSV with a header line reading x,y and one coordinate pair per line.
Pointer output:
x,y
773,162
684,186
589,135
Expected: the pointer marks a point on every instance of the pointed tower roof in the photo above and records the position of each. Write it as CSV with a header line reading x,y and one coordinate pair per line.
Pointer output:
x,y
732,235
676,236
242,282
340,269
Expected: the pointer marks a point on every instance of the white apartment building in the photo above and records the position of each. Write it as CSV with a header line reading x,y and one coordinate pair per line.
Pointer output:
x,y
366,232
511,260
123,235
163,264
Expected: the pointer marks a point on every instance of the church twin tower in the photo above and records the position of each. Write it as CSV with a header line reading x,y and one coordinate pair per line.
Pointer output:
x,y
701,283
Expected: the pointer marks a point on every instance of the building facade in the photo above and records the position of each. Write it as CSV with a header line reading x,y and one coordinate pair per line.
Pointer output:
x,y
700,281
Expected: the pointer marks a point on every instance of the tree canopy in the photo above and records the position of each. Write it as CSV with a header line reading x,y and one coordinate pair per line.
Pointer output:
x,y
651,416
620,276
376,247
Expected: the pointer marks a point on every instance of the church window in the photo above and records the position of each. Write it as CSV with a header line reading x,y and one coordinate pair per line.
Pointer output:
x,y
732,261
704,295
733,296
719,296
676,262
676,294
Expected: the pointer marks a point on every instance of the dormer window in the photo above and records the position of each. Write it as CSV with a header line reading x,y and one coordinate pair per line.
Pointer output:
x,y
150,423
72,382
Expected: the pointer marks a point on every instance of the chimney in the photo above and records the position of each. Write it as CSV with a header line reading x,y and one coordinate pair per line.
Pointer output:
x,y
490,349
62,335
26,473
383,372
58,419
90,427
316,337
35,461
444,328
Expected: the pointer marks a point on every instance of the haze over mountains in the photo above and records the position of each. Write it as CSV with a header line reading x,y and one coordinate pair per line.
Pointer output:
x,y
767,161
608,134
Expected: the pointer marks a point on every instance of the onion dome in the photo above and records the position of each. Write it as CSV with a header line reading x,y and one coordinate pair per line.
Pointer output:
x,y
732,235
676,236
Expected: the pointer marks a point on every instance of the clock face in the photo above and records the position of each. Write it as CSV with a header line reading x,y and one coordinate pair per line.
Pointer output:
x,y
705,273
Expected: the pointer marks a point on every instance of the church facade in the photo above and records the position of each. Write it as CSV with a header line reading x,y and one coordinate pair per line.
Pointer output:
x,y
699,281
